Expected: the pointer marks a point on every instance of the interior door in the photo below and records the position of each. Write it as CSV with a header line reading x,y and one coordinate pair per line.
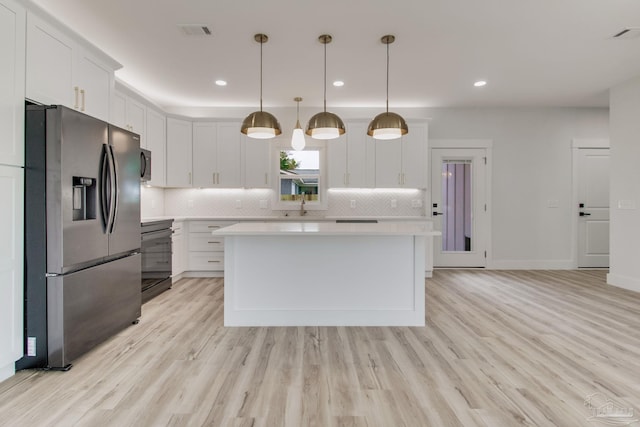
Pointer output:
x,y
458,206
593,207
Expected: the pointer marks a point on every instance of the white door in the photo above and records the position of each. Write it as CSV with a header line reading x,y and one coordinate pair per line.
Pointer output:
x,y
593,207
458,206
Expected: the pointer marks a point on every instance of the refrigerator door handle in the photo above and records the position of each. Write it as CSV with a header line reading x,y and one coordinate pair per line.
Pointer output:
x,y
105,190
114,189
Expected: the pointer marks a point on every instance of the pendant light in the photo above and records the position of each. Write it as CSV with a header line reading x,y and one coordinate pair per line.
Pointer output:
x,y
387,125
297,139
260,124
325,125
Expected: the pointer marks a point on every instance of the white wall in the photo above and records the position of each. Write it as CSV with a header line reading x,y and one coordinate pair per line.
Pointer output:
x,y
625,185
532,161
531,166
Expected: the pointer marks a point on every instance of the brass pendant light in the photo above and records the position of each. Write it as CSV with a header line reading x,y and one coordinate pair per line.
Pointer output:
x,y
260,124
325,125
297,139
387,125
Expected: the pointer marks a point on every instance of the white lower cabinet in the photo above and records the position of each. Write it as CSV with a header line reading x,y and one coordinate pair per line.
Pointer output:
x,y
206,252
11,267
179,251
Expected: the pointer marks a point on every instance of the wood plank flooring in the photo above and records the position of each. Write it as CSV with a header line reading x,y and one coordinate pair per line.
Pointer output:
x,y
501,348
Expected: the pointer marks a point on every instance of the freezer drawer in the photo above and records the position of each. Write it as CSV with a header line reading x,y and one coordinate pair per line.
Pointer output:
x,y
87,307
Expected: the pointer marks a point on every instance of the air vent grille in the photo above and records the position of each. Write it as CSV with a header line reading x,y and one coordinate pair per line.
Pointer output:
x,y
194,30
628,33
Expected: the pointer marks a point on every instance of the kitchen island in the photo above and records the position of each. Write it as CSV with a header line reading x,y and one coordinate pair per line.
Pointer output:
x,y
325,274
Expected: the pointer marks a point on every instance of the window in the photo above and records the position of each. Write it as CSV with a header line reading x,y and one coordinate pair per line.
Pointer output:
x,y
300,175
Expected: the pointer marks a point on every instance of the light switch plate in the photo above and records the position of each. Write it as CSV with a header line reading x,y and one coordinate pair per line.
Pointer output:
x,y
238,204
263,204
627,204
394,203
352,203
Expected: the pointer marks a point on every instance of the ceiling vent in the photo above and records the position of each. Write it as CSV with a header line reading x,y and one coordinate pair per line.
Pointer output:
x,y
628,33
194,30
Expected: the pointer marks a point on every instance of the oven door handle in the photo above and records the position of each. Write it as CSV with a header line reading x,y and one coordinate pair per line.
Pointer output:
x,y
153,235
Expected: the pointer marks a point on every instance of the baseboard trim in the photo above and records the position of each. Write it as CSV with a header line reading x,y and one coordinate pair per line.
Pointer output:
x,y
203,274
565,264
625,282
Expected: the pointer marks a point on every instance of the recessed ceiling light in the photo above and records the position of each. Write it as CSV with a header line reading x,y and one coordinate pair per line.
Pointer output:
x,y
221,82
480,83
338,83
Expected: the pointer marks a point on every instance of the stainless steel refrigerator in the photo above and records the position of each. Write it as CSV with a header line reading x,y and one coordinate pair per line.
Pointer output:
x,y
82,234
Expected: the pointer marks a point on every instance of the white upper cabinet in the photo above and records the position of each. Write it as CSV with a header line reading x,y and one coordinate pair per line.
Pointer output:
x,y
415,163
204,159
351,158
60,69
257,162
402,163
216,154
156,141
179,153
131,114
12,57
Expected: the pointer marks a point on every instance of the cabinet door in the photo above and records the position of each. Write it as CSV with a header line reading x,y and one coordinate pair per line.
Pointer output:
x,y
228,155
95,81
179,153
49,65
357,156
337,161
414,156
12,72
257,166
136,119
156,142
388,163
119,110
11,264
204,154
178,256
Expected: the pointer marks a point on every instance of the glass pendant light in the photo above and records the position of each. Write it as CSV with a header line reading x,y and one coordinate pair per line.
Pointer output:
x,y
325,125
387,125
297,139
260,124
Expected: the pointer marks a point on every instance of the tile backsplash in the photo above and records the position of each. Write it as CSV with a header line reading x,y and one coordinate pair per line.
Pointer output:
x,y
258,202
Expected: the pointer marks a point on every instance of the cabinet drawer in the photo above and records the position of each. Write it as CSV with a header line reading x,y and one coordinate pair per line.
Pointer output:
x,y
207,226
203,261
205,242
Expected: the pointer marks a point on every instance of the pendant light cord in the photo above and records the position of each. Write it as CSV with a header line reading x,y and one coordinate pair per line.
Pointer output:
x,y
325,77
261,43
387,78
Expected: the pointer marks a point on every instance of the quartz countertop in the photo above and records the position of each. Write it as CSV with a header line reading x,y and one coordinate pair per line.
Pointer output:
x,y
327,229
289,218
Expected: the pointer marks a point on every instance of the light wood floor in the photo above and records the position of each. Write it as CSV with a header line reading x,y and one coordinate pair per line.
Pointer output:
x,y
499,349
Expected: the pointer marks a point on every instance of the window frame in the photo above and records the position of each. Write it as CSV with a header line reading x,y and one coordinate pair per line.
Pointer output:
x,y
311,145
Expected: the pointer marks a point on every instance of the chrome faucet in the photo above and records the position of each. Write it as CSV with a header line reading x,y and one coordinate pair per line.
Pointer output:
x,y
302,211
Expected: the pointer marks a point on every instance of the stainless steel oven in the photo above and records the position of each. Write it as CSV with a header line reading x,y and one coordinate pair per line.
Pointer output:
x,y
156,258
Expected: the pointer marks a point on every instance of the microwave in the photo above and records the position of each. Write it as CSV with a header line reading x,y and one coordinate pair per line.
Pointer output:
x,y
145,165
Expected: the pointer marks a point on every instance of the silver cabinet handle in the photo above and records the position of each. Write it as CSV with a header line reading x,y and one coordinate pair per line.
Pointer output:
x,y
189,178
213,226
76,89
213,242
266,178
213,261
82,96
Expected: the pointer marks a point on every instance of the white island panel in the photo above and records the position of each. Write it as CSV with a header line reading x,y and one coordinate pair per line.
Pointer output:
x,y
324,274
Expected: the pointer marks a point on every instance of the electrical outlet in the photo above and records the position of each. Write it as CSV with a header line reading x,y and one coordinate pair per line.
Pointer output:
x,y
394,203
31,346
352,203
416,203
153,203
190,203
263,204
238,204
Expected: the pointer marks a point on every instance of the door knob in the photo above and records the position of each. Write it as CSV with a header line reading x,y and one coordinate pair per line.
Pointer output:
x,y
585,214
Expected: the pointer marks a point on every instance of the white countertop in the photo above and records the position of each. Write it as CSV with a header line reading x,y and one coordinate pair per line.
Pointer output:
x,y
289,218
327,229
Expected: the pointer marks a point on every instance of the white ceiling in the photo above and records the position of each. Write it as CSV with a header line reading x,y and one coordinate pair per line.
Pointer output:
x,y
532,52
